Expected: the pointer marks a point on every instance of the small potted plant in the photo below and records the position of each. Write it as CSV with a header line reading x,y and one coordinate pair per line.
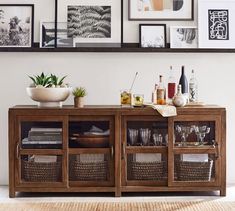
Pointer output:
x,y
48,90
79,93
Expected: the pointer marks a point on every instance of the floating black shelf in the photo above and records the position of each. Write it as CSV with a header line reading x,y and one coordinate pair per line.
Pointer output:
x,y
126,48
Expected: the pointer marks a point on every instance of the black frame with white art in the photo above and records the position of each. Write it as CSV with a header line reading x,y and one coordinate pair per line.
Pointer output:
x,y
152,45
19,29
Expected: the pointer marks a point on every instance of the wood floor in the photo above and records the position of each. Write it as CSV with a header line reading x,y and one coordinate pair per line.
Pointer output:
x,y
131,197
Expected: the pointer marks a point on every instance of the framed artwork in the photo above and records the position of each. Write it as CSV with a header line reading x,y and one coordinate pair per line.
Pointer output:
x,y
92,23
152,35
161,10
16,25
47,35
183,37
216,20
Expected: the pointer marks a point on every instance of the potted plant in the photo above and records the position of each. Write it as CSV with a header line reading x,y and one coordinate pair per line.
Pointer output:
x,y
48,90
79,93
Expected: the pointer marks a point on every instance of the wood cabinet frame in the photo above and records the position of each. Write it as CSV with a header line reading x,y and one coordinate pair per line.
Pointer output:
x,y
118,117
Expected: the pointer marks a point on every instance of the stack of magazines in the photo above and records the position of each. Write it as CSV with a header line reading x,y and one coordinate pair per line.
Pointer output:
x,y
43,138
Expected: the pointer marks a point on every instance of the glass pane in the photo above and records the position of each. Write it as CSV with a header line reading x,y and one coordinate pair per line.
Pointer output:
x,y
147,166
194,134
147,133
89,134
41,135
195,167
89,167
41,168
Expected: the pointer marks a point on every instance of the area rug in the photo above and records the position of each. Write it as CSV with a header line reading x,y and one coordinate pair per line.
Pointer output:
x,y
122,206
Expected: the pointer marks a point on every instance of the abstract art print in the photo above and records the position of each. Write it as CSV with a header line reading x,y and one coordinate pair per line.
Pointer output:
x,y
152,35
16,25
161,9
183,37
216,20
92,23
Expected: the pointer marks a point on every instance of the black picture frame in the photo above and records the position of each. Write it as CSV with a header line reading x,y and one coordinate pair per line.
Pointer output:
x,y
130,18
141,45
32,25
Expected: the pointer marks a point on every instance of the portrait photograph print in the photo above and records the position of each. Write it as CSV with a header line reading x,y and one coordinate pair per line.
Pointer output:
x,y
47,35
183,37
216,21
92,23
16,25
152,35
161,9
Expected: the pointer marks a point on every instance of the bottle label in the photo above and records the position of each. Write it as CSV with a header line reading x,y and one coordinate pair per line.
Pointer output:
x,y
192,93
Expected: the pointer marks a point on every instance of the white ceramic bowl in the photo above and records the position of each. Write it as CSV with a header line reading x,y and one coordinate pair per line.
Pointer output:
x,y
49,97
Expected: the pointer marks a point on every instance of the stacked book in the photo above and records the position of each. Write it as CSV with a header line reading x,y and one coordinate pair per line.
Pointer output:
x,y
43,138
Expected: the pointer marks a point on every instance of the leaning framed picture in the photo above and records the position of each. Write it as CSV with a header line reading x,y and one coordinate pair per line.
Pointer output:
x,y
92,23
183,37
152,35
161,10
47,35
216,21
16,25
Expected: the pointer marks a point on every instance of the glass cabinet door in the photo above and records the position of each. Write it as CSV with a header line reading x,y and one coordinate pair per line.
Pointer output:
x,y
196,150
145,144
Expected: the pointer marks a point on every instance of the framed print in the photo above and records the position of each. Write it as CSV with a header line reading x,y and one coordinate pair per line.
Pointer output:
x,y
183,37
92,23
47,35
216,21
152,35
161,10
16,25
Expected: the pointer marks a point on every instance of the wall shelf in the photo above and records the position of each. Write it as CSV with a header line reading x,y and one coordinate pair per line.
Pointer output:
x,y
126,48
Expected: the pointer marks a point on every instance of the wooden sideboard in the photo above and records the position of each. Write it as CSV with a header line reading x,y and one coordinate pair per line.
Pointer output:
x,y
114,149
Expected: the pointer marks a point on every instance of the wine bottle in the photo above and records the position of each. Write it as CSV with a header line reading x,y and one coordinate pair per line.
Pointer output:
x,y
161,92
171,85
193,88
184,82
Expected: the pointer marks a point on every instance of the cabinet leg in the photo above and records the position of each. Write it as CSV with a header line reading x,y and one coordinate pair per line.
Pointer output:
x,y
12,194
223,192
118,194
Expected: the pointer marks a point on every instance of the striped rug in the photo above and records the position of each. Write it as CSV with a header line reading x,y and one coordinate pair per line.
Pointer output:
x,y
122,206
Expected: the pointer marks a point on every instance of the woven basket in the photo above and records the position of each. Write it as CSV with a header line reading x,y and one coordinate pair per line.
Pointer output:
x,y
93,171
148,171
41,172
194,171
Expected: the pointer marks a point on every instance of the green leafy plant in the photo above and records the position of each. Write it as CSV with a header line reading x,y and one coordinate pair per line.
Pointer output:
x,y
47,81
79,92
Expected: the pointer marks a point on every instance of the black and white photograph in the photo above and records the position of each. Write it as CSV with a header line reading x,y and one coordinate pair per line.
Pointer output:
x,y
92,23
89,21
216,20
47,35
16,25
183,37
152,35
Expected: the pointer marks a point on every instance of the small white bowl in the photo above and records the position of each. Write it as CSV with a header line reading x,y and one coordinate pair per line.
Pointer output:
x,y
49,97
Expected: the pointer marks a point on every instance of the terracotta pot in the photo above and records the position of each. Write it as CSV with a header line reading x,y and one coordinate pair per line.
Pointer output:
x,y
79,102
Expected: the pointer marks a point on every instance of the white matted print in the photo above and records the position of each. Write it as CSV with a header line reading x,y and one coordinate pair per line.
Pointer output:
x,y
183,37
16,25
216,21
152,35
92,23
161,9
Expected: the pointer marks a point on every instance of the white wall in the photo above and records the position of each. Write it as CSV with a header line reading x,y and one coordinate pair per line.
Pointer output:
x,y
105,74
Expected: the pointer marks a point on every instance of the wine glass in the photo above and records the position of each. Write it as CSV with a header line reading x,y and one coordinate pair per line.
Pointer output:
x,y
201,132
184,132
133,136
145,135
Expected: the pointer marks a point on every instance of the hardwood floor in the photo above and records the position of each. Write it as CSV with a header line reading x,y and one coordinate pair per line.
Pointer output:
x,y
132,197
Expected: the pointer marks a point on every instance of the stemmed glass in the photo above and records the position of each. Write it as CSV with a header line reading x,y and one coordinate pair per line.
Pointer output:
x,y
184,132
201,132
133,136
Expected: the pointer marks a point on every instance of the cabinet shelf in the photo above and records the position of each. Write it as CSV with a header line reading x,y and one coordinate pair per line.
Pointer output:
x,y
126,48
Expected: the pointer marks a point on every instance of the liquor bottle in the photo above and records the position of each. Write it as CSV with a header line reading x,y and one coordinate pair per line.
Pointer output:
x,y
171,85
179,99
184,83
193,88
154,94
161,92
